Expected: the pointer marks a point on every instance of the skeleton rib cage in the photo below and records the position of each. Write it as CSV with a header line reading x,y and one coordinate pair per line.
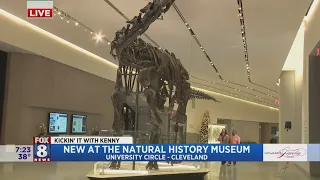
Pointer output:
x,y
141,55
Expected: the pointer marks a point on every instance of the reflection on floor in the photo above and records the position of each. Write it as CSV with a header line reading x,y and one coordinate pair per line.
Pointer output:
x,y
101,169
256,171
78,171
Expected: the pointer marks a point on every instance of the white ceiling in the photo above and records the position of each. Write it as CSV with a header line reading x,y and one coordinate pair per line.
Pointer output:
x,y
271,27
9,48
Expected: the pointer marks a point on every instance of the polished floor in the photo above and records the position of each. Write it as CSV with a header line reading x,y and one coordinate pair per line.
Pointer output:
x,y
78,171
257,171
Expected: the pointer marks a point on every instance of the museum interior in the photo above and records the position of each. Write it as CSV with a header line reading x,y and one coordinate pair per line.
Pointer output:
x,y
243,65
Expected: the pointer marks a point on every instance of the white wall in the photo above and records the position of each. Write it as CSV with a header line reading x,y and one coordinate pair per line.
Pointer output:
x,y
248,131
36,86
230,108
293,96
25,36
299,54
293,90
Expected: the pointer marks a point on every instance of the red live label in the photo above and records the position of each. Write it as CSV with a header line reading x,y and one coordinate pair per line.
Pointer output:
x,y
39,13
318,52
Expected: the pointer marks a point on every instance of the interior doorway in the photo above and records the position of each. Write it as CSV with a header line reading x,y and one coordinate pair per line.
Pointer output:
x,y
129,117
3,67
260,134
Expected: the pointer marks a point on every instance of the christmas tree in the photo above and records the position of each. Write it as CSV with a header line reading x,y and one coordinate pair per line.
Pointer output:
x,y
204,128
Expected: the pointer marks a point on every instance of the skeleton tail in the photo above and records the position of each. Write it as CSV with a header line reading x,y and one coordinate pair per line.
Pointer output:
x,y
196,94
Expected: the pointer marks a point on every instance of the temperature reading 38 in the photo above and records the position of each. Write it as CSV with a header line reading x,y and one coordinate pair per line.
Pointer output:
x,y
24,156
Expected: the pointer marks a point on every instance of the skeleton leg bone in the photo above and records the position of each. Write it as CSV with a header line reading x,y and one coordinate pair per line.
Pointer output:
x,y
149,78
154,139
155,131
180,115
118,100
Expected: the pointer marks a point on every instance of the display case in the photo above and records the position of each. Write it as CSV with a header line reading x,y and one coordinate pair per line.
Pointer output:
x,y
132,170
214,132
101,170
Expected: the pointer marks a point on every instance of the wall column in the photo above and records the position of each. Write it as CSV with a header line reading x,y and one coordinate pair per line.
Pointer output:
x,y
290,107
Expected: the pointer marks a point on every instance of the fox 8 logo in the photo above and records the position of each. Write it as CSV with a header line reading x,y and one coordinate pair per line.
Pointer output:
x,y
42,151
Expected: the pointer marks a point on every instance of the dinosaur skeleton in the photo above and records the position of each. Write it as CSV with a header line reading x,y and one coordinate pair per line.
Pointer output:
x,y
144,69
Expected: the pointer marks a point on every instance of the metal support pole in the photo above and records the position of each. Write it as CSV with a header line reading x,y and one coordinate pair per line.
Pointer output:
x,y
136,121
136,126
168,130
184,141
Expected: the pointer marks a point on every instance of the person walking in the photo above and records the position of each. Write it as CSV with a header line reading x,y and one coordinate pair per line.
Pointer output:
x,y
223,139
234,139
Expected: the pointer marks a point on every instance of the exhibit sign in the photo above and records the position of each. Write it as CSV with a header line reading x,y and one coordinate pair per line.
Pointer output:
x,y
86,148
58,123
79,124
40,9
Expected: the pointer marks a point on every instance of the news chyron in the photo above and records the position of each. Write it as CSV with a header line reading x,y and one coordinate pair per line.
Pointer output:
x,y
42,146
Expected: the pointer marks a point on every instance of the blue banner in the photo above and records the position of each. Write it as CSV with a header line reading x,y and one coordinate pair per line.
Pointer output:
x,y
313,152
159,152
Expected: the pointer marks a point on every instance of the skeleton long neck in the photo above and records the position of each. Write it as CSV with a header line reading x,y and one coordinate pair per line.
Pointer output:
x,y
139,24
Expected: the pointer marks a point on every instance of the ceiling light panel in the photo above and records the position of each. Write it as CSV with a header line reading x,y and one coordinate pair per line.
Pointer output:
x,y
245,47
72,21
270,93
